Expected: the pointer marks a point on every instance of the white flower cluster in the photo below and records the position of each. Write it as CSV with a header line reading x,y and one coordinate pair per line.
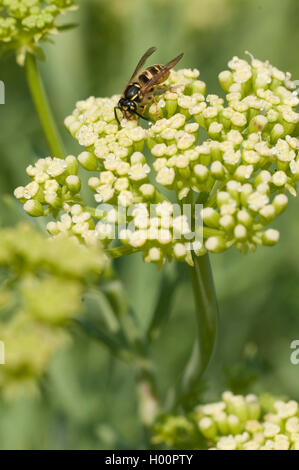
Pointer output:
x,y
239,422
161,233
238,158
76,223
54,182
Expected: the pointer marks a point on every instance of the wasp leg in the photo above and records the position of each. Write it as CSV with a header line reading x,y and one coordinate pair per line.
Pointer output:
x,y
164,88
173,89
157,106
142,108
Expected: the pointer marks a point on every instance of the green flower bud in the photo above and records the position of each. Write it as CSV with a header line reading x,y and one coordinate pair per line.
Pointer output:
x,y
208,428
225,79
267,213
52,228
88,161
227,222
280,202
73,183
277,132
215,244
270,237
210,217
201,172
222,423
218,170
33,208
234,424
240,232
198,86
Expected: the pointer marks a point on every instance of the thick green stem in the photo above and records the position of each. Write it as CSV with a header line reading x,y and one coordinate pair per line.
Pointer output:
x,y
42,106
207,319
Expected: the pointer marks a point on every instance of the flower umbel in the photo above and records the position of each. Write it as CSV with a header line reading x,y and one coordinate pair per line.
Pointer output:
x,y
237,157
235,423
23,23
44,283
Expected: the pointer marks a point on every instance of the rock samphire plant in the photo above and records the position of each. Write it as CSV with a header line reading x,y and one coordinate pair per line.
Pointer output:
x,y
206,174
235,423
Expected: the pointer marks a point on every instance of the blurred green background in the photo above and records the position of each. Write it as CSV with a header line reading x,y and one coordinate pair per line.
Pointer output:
x,y
88,399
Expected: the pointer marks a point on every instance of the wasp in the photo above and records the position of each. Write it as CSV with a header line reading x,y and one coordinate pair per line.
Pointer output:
x,y
141,86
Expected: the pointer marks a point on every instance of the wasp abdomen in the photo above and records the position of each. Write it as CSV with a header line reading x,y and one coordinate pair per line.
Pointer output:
x,y
148,73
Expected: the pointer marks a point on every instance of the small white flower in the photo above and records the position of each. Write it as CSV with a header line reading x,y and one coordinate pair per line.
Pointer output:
x,y
165,176
139,172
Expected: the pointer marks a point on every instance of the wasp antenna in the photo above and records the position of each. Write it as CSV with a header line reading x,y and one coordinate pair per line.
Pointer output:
x,y
115,114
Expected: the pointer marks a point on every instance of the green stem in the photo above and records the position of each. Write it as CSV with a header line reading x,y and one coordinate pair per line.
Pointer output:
x,y
42,106
164,304
145,377
119,251
207,320
113,345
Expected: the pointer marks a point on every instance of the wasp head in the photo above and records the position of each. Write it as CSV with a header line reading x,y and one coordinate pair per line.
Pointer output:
x,y
128,108
126,104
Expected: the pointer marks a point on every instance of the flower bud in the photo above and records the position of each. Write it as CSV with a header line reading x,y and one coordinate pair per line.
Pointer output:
x,y
33,208
215,244
227,222
207,428
73,183
279,178
218,170
280,202
201,172
147,191
277,132
234,424
258,123
71,165
165,176
210,217
88,161
270,237
225,80
240,232
220,419
267,213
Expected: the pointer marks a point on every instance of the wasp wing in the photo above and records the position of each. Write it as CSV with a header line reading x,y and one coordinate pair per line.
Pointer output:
x,y
142,61
157,77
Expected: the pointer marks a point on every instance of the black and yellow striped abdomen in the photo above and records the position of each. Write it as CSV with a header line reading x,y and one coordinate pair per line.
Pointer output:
x,y
150,72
